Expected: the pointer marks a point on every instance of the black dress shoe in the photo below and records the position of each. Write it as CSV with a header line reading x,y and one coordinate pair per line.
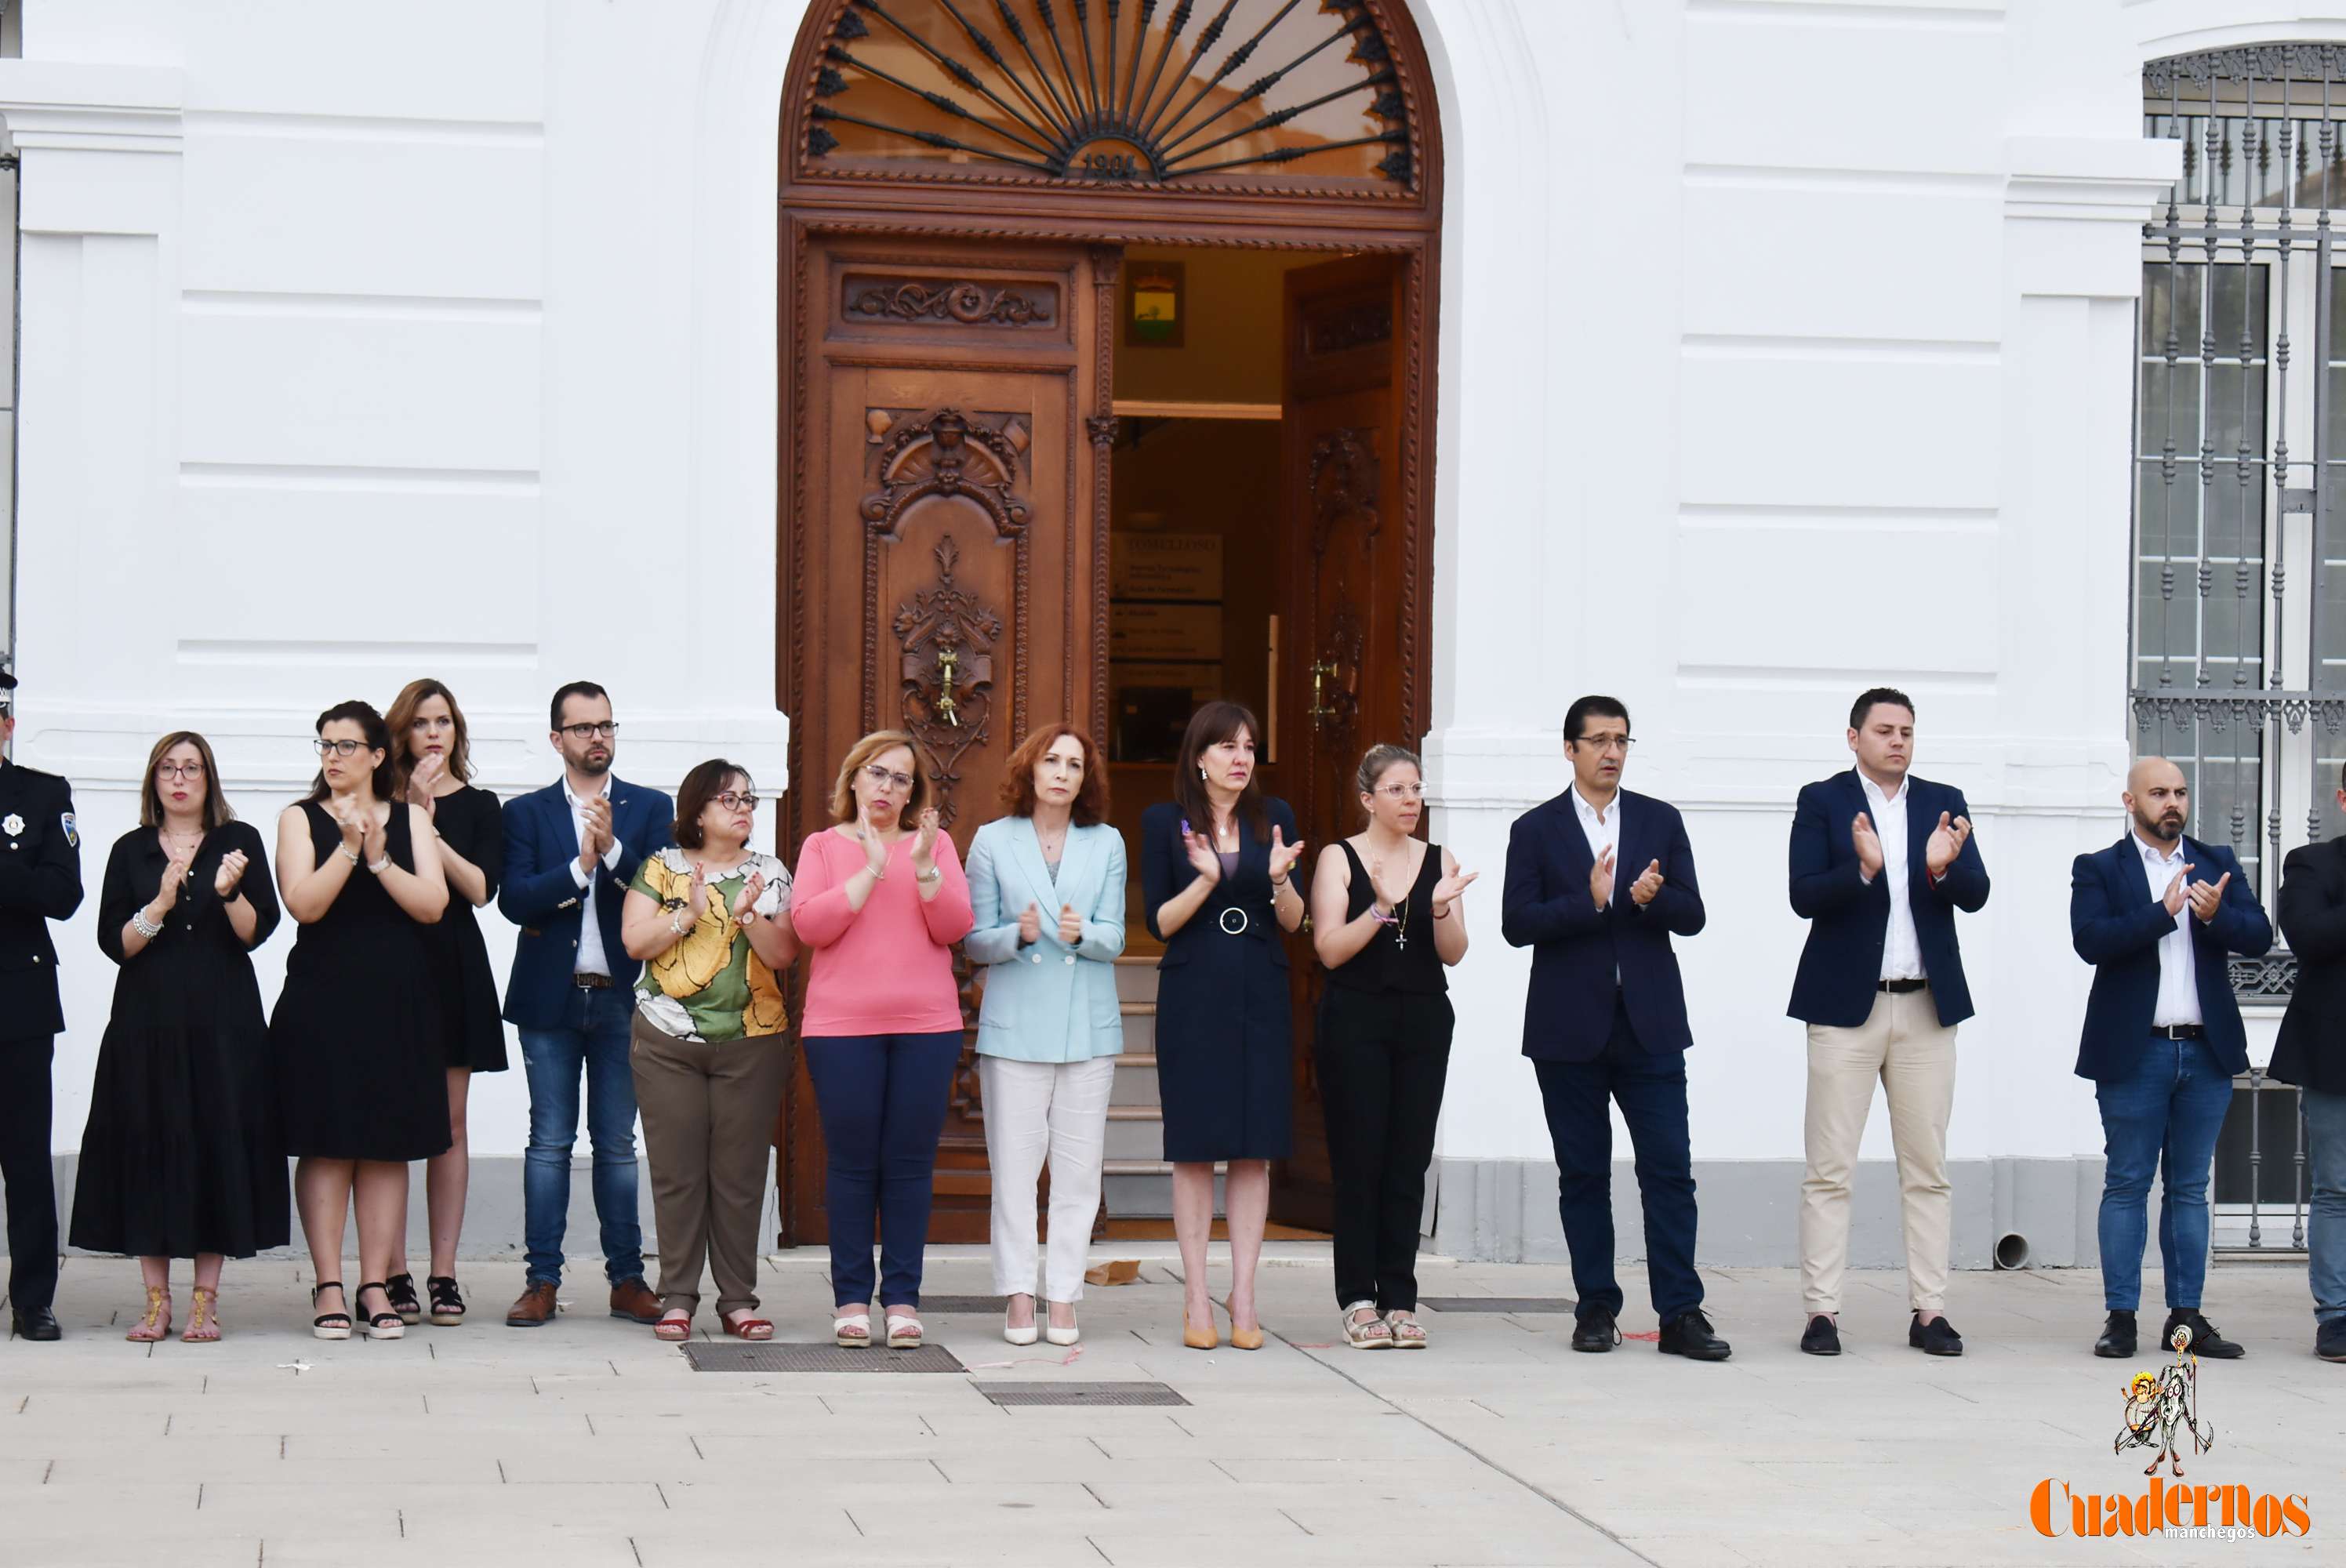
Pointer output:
x,y
38,1324
1595,1331
2205,1341
1936,1338
2118,1337
1822,1338
2330,1340
1689,1334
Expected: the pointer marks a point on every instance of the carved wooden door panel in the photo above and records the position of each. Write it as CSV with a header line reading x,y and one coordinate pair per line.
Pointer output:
x,y
945,559
1341,649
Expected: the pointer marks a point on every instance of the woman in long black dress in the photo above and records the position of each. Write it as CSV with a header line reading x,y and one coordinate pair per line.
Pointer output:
x,y
181,1157
1217,867
356,1033
431,750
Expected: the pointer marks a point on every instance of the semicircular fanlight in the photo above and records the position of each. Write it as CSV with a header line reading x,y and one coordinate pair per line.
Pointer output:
x,y
1116,91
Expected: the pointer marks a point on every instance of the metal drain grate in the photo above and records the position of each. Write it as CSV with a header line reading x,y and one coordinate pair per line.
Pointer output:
x,y
1040,1393
1497,1303
778,1356
973,1306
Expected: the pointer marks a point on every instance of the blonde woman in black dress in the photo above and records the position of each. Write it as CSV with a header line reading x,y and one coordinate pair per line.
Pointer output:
x,y
181,1157
356,1035
431,749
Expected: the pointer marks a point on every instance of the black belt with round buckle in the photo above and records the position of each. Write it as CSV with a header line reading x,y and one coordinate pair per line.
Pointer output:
x,y
1223,919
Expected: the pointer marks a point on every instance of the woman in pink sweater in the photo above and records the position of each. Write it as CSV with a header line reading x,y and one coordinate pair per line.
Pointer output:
x,y
879,901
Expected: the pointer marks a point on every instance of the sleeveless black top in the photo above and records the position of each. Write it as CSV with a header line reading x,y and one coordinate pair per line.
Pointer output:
x,y
1400,959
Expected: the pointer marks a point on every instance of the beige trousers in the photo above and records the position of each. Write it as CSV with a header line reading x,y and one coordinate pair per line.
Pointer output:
x,y
1034,1110
708,1131
1902,1046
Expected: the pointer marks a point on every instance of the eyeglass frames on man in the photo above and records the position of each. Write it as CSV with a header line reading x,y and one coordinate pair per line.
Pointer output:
x,y
603,731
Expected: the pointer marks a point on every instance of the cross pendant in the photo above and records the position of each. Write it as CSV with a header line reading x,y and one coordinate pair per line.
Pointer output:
x,y
1401,937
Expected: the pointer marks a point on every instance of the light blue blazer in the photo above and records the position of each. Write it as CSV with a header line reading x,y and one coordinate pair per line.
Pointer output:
x,y
1048,1002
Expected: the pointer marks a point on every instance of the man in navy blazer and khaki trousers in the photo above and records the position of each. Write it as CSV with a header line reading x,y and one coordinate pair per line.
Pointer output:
x,y
1599,879
1881,861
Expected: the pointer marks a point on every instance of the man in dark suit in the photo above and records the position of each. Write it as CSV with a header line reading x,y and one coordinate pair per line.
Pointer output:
x,y
2162,1041
2311,1054
40,881
1881,861
571,848
1597,881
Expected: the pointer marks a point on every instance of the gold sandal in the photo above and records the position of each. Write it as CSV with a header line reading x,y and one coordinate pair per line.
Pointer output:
x,y
203,1318
157,1322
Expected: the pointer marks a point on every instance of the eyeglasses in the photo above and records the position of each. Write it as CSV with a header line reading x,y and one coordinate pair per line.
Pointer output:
x,y
340,748
1604,743
178,770
735,802
887,778
603,731
1401,791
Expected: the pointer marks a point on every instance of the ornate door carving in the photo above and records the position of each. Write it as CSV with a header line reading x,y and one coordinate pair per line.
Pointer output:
x,y
945,560
1350,593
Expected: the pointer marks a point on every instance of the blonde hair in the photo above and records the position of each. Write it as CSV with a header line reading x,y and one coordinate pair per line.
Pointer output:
x,y
924,788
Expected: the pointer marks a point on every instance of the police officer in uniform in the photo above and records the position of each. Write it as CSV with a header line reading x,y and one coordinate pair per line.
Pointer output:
x,y
40,881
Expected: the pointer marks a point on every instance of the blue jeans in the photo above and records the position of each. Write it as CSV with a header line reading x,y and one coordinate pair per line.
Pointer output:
x,y
882,1100
2325,1231
594,1038
2163,1115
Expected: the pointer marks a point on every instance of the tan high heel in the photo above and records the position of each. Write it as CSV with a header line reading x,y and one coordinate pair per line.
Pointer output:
x,y
157,1322
203,1318
1244,1339
1205,1339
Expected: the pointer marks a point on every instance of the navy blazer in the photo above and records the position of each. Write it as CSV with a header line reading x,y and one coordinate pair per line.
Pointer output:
x,y
1577,948
542,898
2116,925
1848,919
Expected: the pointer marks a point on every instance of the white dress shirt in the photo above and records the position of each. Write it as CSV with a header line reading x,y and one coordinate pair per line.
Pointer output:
x,y
2179,981
1604,832
592,960
1902,949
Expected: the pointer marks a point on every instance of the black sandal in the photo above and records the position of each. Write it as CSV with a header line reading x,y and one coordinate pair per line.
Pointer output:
x,y
401,1288
386,1324
447,1305
328,1325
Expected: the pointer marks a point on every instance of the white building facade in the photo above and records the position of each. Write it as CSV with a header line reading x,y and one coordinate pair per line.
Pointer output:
x,y
1786,347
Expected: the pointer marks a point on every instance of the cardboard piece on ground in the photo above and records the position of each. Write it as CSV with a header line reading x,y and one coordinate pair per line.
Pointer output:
x,y
1121,1271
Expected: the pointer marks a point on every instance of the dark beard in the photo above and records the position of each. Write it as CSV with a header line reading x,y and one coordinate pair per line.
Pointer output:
x,y
2155,827
596,765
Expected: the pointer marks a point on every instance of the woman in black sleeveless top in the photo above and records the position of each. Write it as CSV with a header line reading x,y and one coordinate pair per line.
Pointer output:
x,y
1387,920
356,1034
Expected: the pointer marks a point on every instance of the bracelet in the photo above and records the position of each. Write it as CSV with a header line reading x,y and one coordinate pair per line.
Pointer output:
x,y
146,928
1279,881
377,866
676,924
351,853
877,876
929,877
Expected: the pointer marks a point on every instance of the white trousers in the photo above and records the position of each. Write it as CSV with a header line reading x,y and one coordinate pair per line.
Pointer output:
x,y
1034,1109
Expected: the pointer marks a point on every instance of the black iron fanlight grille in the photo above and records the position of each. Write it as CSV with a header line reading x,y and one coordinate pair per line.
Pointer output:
x,y
1116,91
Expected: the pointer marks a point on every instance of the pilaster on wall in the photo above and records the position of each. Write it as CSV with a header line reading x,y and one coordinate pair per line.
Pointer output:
x,y
100,169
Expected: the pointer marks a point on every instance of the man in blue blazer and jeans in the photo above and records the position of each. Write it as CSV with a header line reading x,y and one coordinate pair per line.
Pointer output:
x,y
2156,914
571,848
1599,879
1881,861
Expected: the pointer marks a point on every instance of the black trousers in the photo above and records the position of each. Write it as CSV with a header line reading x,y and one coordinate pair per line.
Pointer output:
x,y
1382,1061
25,1172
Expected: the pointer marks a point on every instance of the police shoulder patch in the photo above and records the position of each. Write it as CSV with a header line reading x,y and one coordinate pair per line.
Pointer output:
x,y
66,821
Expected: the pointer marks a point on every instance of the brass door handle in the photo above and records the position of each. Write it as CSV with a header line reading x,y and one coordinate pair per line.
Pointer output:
x,y
1321,669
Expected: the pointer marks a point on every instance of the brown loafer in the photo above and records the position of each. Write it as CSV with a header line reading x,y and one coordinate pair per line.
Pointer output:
x,y
633,1299
535,1308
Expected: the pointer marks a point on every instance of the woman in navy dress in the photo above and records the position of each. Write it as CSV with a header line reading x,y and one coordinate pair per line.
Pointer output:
x,y
1219,888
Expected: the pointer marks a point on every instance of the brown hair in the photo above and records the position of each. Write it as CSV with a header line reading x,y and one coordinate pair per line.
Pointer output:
x,y
1210,726
376,736
702,784
150,799
925,787
1379,760
401,719
1090,805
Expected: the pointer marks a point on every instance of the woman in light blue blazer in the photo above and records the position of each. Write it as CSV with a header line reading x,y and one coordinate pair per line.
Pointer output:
x,y
1046,886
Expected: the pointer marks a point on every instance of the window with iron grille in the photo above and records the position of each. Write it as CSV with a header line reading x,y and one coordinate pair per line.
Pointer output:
x,y
2238,668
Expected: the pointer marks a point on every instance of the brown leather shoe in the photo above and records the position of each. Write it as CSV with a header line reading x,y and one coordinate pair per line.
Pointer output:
x,y
535,1308
633,1299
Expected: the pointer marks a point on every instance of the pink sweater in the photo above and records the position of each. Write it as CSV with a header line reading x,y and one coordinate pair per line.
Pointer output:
x,y
886,968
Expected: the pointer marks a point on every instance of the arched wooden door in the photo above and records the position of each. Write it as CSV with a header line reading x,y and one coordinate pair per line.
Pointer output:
x,y
958,183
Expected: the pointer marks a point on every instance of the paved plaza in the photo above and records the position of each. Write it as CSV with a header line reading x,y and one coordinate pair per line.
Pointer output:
x,y
589,1443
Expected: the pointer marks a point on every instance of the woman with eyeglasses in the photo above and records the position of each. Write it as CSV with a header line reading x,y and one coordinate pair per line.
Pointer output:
x,y
1217,886
879,901
181,1157
431,750
1386,919
1046,891
709,918
356,1035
